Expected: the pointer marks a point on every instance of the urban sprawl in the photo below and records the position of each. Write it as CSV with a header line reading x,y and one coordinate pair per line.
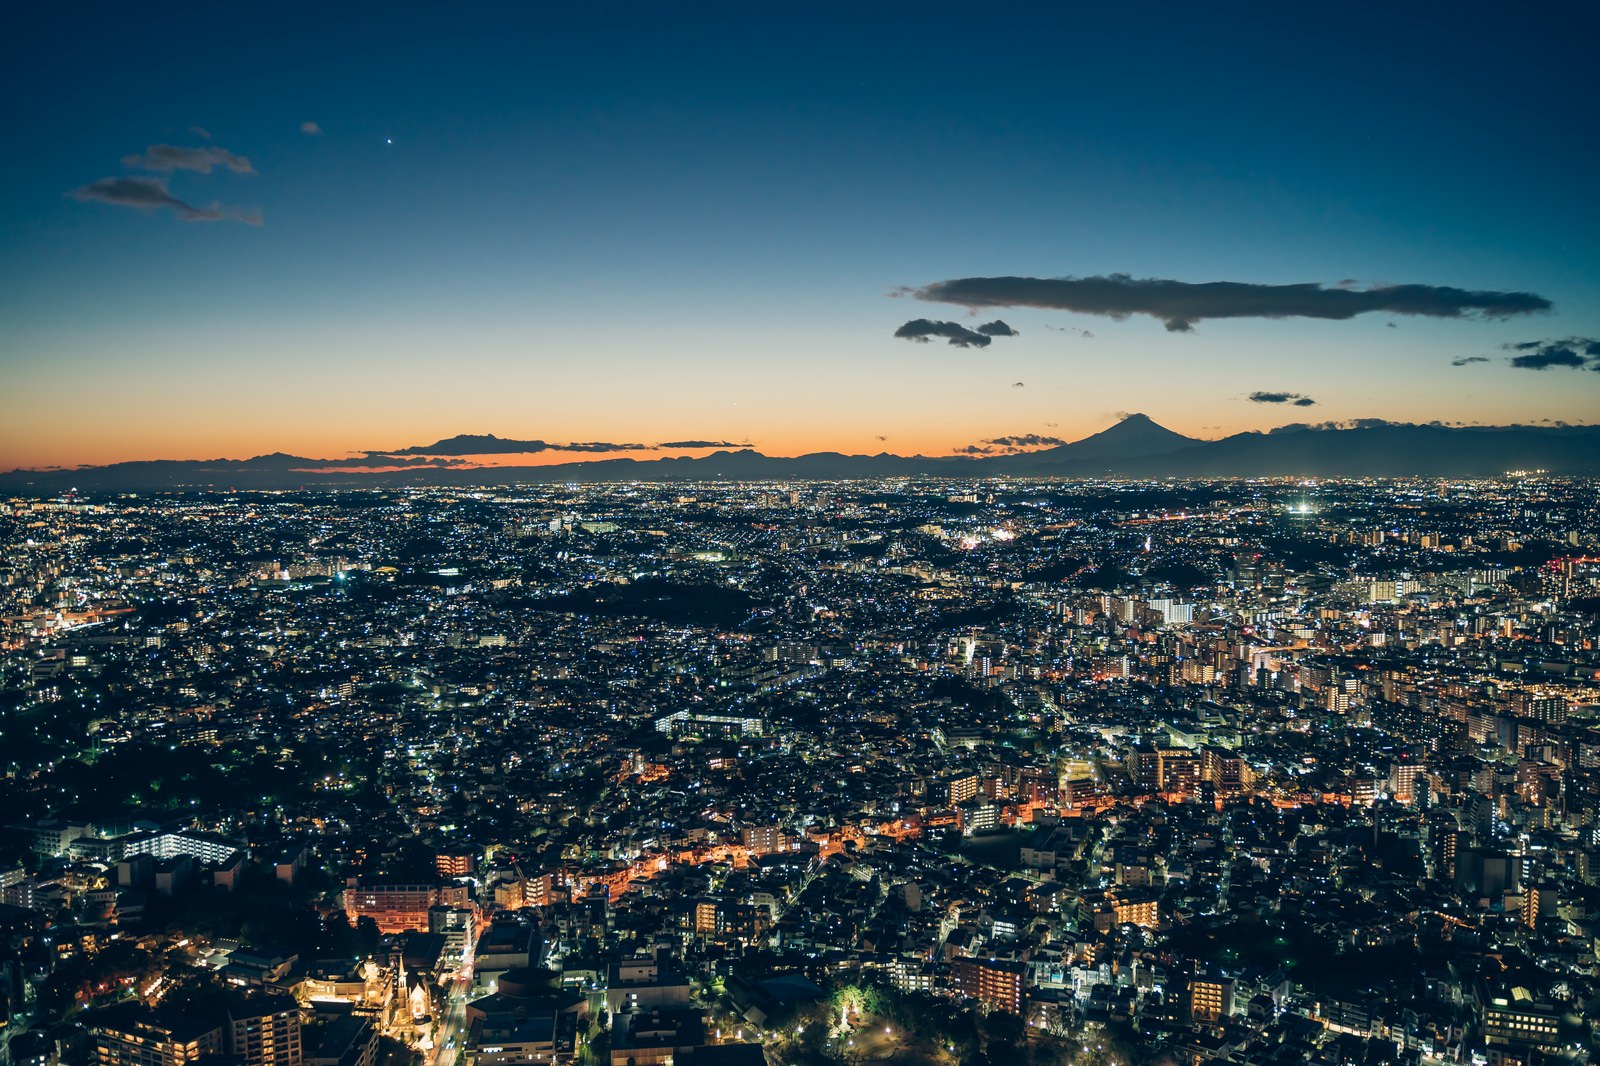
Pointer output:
x,y
1092,772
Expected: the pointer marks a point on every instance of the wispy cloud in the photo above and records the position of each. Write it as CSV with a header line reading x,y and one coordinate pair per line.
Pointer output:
x,y
1180,304
169,157
1296,398
1467,360
150,194
311,129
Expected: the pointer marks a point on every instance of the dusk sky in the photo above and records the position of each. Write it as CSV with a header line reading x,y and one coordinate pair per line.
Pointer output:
x,y
333,229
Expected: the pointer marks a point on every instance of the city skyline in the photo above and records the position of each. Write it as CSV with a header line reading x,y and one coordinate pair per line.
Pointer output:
x,y
373,234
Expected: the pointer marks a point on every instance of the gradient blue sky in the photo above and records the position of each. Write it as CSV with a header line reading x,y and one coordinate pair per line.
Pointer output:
x,y
642,223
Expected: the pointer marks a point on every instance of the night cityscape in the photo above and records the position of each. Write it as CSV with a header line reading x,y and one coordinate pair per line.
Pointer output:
x,y
799,535
1270,771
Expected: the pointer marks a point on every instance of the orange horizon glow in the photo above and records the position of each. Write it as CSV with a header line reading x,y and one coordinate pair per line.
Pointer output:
x,y
346,393
102,445
174,446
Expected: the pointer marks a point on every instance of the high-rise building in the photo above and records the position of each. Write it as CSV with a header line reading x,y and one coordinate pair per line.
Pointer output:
x,y
1136,909
996,983
1226,770
1517,1020
396,908
265,1031
455,863
764,839
960,789
1210,998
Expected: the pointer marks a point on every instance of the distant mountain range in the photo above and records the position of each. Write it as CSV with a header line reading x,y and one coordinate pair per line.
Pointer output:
x,y
1134,447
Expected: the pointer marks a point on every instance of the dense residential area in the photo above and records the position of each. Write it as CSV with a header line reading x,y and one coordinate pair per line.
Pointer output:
x,y
902,770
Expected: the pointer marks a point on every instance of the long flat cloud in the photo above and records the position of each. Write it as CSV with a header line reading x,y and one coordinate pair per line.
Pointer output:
x,y
489,444
150,194
1180,304
603,446
1299,399
170,157
1347,423
703,444
362,462
471,444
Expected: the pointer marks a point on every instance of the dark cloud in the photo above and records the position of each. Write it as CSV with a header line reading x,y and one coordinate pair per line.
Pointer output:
x,y
150,194
311,129
923,330
1180,304
602,446
1010,445
169,157
997,328
471,444
1019,384
1466,359
1296,398
489,444
375,460
703,444
1577,353
1348,423
1546,358
1025,440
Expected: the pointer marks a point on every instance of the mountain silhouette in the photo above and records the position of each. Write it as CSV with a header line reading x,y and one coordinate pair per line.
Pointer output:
x,y
1136,436
1136,446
